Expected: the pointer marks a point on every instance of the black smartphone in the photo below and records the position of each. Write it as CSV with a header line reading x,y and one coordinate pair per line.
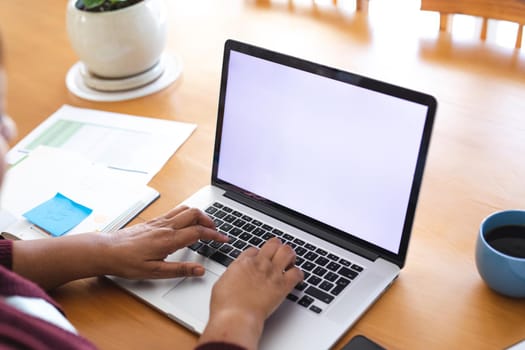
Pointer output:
x,y
360,342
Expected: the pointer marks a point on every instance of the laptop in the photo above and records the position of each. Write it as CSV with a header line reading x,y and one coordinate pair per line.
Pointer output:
x,y
330,162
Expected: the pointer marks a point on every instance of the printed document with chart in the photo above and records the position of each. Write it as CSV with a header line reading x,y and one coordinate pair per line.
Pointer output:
x,y
134,144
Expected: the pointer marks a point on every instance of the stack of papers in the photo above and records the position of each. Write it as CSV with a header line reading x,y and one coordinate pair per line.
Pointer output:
x,y
85,170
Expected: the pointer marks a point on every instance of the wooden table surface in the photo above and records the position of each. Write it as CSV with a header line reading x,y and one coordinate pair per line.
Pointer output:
x,y
475,165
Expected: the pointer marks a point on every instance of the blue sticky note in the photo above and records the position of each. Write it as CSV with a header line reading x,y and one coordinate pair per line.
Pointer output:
x,y
57,215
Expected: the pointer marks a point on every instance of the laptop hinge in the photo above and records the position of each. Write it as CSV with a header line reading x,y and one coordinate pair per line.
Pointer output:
x,y
323,233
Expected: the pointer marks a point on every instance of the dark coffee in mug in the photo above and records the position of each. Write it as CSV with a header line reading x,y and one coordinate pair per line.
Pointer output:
x,y
509,240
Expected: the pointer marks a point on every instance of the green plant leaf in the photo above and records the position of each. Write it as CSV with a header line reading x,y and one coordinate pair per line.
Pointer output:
x,y
92,3
104,5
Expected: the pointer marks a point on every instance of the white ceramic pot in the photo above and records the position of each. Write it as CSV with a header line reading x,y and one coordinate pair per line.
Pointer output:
x,y
119,43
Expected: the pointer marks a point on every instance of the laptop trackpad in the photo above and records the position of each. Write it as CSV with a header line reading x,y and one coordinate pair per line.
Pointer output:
x,y
192,295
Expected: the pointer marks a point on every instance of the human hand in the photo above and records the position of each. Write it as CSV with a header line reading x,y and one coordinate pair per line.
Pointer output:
x,y
139,251
135,252
249,291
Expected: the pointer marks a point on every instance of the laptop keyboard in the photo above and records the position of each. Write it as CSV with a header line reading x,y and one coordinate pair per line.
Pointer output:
x,y
326,275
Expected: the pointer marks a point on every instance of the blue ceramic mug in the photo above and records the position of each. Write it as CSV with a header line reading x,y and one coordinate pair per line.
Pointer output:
x,y
500,252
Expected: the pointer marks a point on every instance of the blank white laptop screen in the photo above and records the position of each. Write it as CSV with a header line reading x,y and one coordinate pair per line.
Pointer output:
x,y
320,147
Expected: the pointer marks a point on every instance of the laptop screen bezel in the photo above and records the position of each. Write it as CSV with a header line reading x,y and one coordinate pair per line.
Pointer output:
x,y
293,218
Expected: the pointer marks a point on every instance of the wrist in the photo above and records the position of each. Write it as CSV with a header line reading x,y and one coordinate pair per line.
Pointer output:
x,y
102,248
239,327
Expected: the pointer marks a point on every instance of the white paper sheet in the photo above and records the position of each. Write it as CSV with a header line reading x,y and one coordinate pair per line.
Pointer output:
x,y
137,145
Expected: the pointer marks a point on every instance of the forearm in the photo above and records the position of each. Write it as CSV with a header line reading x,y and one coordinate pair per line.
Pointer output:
x,y
136,252
55,261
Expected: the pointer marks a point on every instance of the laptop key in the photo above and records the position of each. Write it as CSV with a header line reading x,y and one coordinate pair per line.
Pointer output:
x,y
292,297
220,214
319,294
195,246
217,204
267,236
235,231
277,232
348,273
267,227
357,268
320,271
314,280
239,244
316,309
226,248
255,241
206,250
338,289
301,285
306,301
226,227
330,276
221,258
326,286
345,262
298,241
333,266
311,256
239,223
245,236
333,257
230,218
215,244
291,244
211,210
300,251
309,246
321,252
308,266
288,237
249,227
342,282
321,261
235,253
259,232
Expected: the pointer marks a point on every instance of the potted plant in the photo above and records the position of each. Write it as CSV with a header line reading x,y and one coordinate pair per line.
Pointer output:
x,y
104,5
117,39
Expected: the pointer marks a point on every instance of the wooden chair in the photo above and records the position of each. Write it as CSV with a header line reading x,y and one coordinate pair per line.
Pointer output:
x,y
506,10
360,5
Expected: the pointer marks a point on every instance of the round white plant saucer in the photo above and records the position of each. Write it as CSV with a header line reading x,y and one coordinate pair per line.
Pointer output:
x,y
121,84
91,87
